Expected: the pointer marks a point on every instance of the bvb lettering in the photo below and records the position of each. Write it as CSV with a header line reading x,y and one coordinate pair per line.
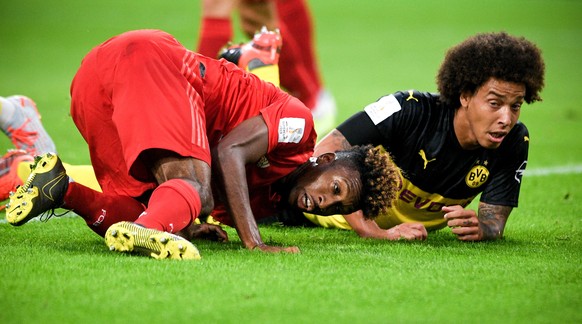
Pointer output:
x,y
477,176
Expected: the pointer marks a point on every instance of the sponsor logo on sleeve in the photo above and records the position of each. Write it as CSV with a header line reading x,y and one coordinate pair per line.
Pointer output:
x,y
382,109
291,130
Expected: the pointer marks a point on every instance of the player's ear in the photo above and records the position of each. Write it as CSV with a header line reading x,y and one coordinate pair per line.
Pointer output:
x,y
325,158
465,98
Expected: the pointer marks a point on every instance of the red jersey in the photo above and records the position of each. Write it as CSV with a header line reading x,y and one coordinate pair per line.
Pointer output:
x,y
143,90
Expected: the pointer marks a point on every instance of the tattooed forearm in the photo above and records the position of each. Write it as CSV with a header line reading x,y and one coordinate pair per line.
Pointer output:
x,y
339,139
334,141
492,219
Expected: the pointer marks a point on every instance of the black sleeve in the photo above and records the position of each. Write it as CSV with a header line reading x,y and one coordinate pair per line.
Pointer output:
x,y
360,130
504,186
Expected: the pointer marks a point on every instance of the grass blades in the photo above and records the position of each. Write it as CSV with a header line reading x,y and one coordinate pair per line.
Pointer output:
x,y
60,271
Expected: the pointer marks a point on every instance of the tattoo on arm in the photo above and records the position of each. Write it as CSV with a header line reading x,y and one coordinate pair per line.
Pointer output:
x,y
492,219
341,141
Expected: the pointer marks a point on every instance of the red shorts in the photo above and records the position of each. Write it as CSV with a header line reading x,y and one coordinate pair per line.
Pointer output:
x,y
138,91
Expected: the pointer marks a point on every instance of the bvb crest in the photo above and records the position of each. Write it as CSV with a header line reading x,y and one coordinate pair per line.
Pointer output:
x,y
477,176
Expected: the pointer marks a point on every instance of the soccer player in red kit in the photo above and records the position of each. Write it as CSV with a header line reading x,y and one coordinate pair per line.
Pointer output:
x,y
156,117
299,71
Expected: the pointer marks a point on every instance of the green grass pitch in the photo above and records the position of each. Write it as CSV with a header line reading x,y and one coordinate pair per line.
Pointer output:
x,y
60,272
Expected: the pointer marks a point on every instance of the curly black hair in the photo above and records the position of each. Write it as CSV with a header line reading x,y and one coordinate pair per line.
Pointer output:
x,y
473,62
378,174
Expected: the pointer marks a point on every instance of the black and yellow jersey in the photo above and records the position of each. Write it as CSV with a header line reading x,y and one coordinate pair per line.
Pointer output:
x,y
417,129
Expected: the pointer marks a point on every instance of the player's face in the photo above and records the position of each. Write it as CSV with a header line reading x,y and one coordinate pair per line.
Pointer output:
x,y
486,117
327,189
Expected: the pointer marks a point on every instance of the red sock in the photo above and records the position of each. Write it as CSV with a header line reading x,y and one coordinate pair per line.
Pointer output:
x,y
214,34
297,18
172,207
299,73
100,210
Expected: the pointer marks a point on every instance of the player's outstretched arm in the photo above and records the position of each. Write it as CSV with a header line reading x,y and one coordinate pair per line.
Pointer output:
x,y
367,228
246,143
489,225
204,231
492,220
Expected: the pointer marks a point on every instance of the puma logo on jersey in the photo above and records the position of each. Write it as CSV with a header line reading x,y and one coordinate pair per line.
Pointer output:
x,y
410,96
423,156
519,171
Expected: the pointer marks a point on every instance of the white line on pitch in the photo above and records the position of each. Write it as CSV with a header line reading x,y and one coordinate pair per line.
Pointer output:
x,y
563,169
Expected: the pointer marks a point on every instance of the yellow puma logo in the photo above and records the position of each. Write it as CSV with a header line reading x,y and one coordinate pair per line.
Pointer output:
x,y
423,156
410,96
